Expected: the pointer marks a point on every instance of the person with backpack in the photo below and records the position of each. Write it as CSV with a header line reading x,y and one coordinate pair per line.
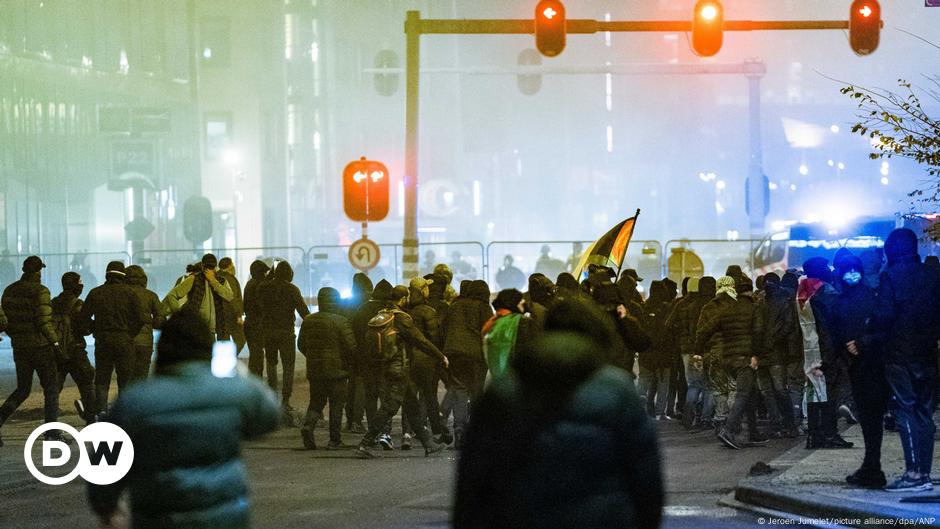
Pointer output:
x,y
391,332
153,311
66,309
327,342
36,346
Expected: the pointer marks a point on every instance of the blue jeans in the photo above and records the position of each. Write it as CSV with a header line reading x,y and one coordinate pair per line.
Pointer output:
x,y
913,385
745,383
653,387
698,395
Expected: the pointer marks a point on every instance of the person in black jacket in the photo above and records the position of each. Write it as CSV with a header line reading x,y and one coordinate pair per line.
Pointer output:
x,y
280,299
326,340
563,443
364,362
35,343
233,310
254,317
66,310
909,310
776,328
655,361
153,311
424,367
358,366
114,314
630,332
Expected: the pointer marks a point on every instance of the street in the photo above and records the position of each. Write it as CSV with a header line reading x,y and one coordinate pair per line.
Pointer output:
x,y
294,488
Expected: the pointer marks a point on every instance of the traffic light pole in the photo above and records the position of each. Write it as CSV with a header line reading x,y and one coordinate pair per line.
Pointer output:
x,y
415,26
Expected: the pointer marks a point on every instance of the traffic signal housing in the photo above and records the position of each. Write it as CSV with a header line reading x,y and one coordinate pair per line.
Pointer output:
x,y
707,27
365,190
550,27
864,26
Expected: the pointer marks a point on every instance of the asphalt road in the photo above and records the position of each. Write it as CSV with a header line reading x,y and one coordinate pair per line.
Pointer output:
x,y
293,488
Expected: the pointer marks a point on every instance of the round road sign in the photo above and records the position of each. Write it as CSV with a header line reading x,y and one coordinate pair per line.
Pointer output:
x,y
364,254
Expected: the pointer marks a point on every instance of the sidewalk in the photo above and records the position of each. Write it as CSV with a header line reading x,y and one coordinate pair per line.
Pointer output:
x,y
810,484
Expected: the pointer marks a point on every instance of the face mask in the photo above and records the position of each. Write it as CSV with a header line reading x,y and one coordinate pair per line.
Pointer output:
x,y
852,277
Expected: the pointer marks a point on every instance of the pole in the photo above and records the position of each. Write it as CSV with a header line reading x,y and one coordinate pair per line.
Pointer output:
x,y
412,75
756,189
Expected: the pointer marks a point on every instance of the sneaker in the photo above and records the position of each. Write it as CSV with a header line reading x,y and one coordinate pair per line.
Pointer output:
x,y
362,452
837,442
756,439
907,484
406,442
433,448
867,479
56,435
846,413
730,439
306,434
385,441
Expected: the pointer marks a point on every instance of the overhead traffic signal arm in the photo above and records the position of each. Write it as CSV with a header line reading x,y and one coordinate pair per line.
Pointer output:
x,y
429,26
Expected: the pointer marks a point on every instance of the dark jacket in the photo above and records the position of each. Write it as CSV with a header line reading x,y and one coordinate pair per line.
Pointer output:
x,y
68,304
426,320
777,327
909,295
464,322
663,342
564,445
234,309
854,319
732,321
113,311
153,310
251,300
28,310
187,427
326,339
361,292
280,299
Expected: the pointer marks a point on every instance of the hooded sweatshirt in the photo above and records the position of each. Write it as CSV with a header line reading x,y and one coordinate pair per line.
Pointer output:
x,y
464,322
153,310
326,339
252,299
280,299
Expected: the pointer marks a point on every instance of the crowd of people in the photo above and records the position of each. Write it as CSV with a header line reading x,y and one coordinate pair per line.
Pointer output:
x,y
528,374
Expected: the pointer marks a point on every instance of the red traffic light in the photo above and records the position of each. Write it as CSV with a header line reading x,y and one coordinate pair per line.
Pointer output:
x,y
708,20
550,27
864,26
365,190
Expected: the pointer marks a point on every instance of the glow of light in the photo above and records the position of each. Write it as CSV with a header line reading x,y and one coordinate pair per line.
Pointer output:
x,y
449,198
773,186
316,141
834,129
346,294
792,187
610,138
884,171
841,166
865,11
607,33
314,52
831,163
125,66
732,235
719,209
549,12
490,225
719,185
885,181
231,157
837,215
207,53
804,170
709,12
401,199
476,198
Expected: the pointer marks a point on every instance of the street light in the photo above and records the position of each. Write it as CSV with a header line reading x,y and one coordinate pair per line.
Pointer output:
x,y
707,25
550,27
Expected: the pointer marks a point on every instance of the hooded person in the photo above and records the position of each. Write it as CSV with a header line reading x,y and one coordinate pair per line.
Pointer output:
x,y
360,292
326,341
525,463
281,304
115,315
254,317
655,362
153,312
540,297
437,290
632,338
233,311
425,367
366,398
506,332
815,299
909,313
66,311
203,294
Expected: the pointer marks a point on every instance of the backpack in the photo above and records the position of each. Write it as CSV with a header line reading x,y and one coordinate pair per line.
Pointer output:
x,y
383,342
62,323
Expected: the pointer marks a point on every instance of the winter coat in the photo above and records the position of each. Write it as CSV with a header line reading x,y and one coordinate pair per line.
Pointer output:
x,y
909,310
464,322
684,320
212,295
233,309
409,337
68,305
566,445
116,310
427,321
662,342
279,300
28,310
326,339
854,318
732,321
152,308
777,327
187,427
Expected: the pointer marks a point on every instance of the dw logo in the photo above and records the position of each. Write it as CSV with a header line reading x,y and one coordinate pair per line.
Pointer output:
x,y
105,453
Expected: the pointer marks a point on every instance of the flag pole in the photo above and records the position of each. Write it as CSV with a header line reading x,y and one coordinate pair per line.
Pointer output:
x,y
636,216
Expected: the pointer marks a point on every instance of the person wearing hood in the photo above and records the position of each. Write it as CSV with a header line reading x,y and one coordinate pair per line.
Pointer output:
x,y
463,345
326,340
233,311
776,326
364,362
203,293
424,367
35,343
632,337
730,319
682,323
539,297
857,337
568,288
653,382
114,314
908,311
815,300
565,441
66,312
254,317
153,310
507,331
361,293
280,300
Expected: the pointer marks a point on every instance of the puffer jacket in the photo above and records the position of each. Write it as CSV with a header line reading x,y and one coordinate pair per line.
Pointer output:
x,y
362,362
777,326
190,425
28,309
68,304
116,309
732,322
426,320
280,299
464,322
663,342
251,300
524,465
326,339
153,311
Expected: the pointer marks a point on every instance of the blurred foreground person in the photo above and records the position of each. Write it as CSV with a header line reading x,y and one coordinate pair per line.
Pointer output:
x,y
186,426
565,441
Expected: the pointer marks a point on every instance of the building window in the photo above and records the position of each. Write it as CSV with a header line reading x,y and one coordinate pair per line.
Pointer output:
x,y
218,130
215,44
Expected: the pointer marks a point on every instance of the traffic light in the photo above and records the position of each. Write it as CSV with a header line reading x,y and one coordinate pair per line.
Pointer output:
x,y
197,219
550,27
707,22
864,26
365,190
